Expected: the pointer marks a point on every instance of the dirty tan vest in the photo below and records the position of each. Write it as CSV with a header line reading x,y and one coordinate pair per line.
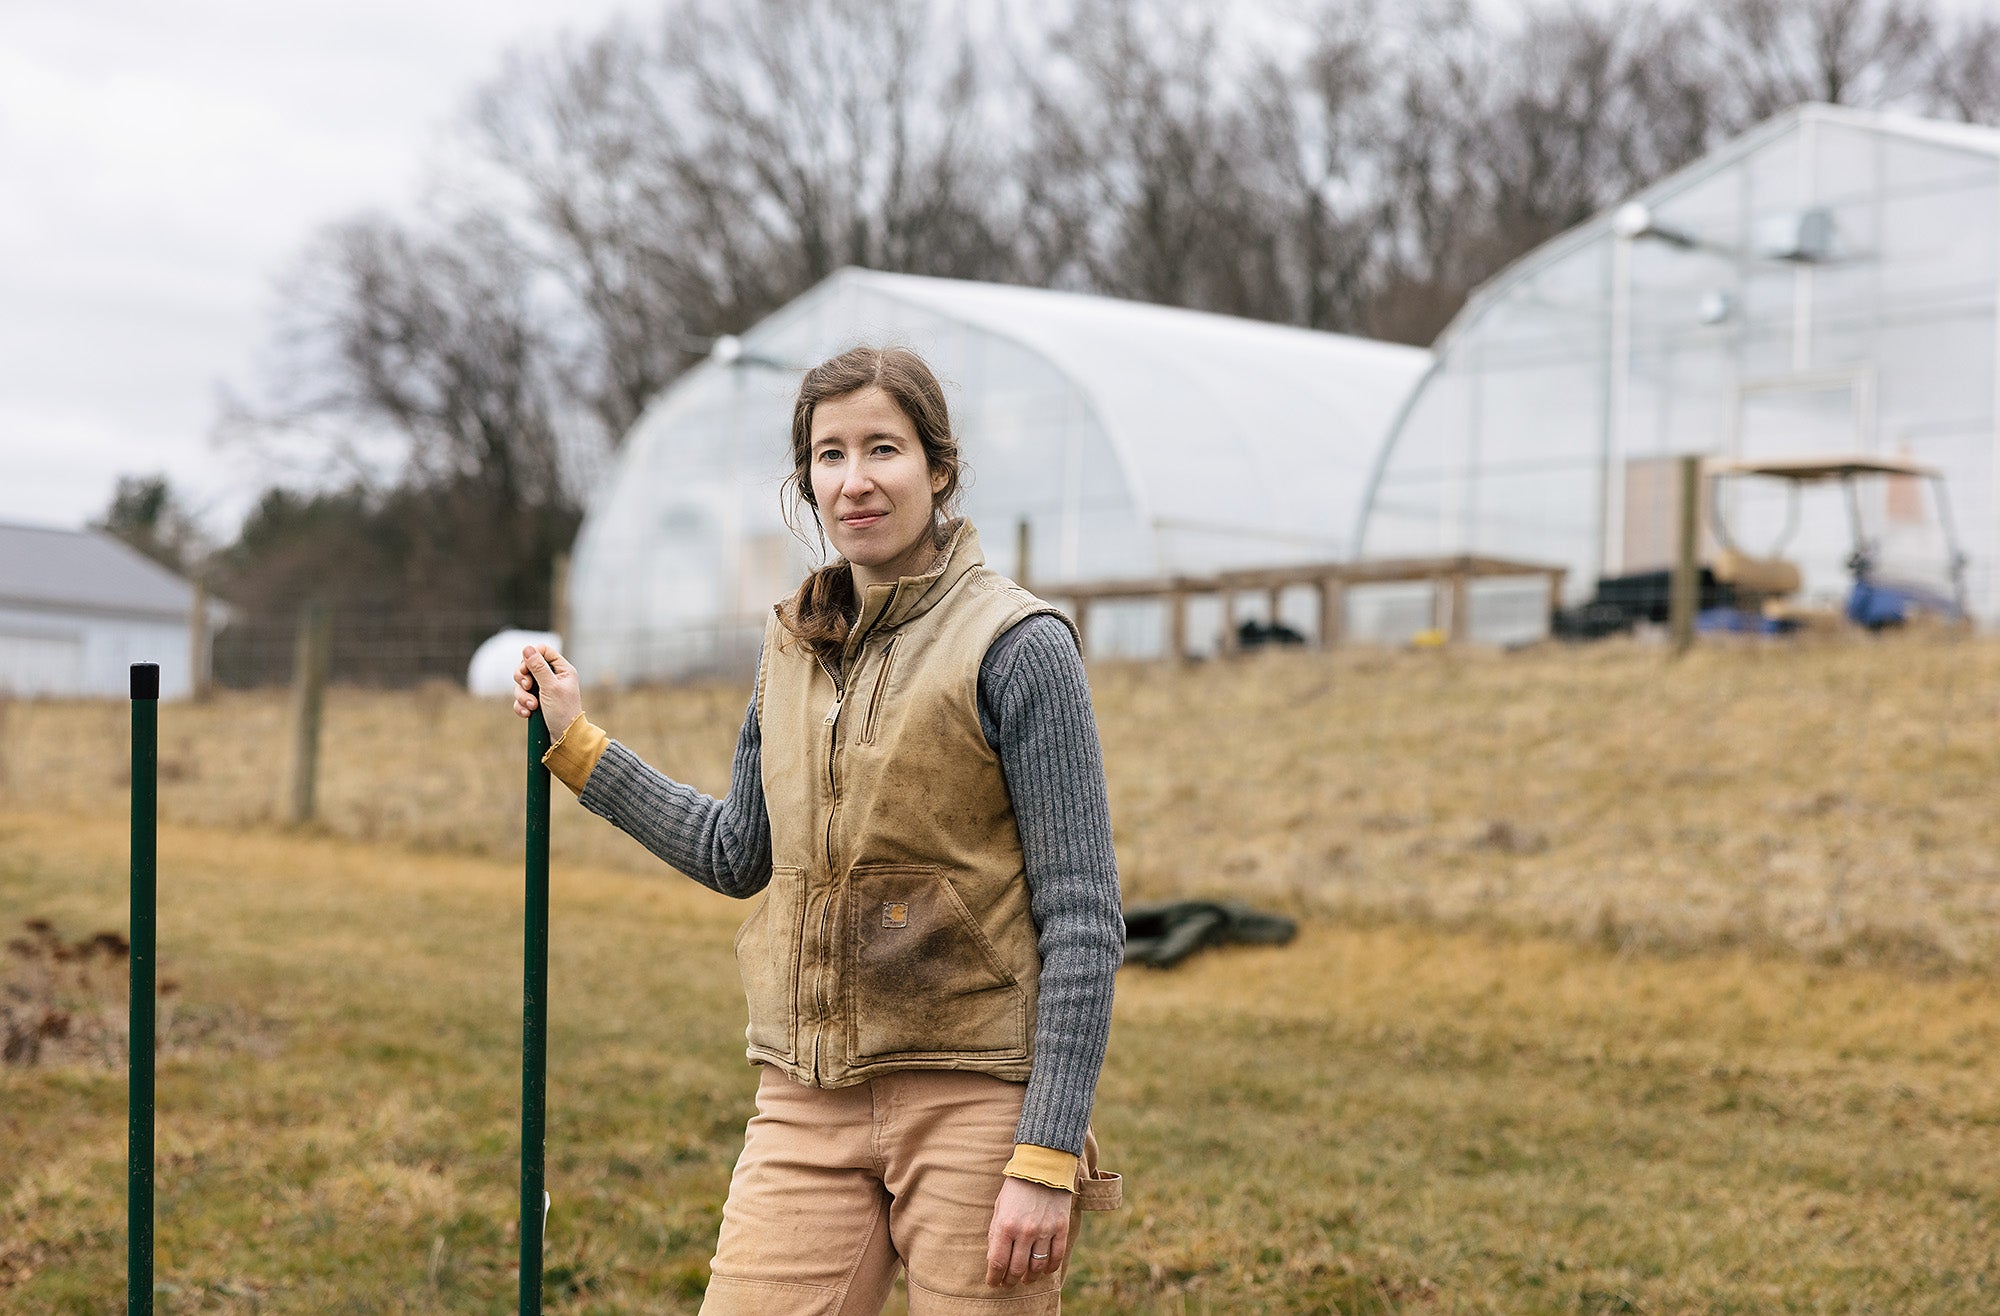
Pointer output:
x,y
896,932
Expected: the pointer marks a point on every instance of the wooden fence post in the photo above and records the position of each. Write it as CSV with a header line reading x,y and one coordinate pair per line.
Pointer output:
x,y
1332,612
1685,599
559,596
198,645
308,694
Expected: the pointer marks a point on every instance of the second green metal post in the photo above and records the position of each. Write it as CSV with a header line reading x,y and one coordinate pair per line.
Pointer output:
x,y
535,1018
139,1058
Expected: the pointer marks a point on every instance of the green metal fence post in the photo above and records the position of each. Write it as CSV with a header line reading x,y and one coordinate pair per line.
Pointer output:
x,y
139,1063
535,1018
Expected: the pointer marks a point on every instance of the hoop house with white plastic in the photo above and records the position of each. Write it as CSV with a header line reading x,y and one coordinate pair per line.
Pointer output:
x,y
1133,441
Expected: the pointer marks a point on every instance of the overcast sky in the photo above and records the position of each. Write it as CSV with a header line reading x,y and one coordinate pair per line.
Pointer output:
x,y
160,164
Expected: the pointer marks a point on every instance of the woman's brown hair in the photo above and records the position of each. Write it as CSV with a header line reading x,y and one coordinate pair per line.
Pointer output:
x,y
822,610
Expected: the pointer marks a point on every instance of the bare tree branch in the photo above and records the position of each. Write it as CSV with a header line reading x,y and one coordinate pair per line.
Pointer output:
x,y
1773,54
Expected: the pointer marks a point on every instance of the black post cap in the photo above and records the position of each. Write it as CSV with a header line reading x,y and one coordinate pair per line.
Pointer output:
x,y
145,680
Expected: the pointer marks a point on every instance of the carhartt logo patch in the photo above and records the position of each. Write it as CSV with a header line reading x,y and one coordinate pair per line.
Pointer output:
x,y
895,914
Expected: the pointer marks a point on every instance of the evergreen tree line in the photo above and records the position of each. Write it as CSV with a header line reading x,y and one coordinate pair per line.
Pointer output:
x,y
616,202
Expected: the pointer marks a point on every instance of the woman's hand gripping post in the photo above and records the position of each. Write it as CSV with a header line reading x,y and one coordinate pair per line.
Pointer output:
x,y
1030,1232
548,681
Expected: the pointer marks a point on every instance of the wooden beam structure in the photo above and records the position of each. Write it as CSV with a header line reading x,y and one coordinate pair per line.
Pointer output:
x,y
1450,578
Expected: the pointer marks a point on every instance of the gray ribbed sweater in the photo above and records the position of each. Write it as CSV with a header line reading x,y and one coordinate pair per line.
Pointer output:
x,y
1034,706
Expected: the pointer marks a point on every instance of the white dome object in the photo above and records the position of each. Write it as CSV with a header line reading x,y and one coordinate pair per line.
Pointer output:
x,y
491,671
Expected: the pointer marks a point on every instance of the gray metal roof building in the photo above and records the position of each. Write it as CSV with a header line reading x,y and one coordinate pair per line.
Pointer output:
x,y
78,607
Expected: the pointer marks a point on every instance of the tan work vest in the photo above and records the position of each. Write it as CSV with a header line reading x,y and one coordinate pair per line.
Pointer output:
x,y
896,932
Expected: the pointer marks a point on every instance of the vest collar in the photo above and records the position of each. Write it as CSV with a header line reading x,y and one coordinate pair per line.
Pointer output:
x,y
885,605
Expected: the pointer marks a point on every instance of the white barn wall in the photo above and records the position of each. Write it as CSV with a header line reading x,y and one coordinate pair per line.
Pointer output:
x,y
56,653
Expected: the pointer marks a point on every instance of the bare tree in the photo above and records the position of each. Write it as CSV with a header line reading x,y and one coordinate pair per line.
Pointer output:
x,y
847,131
1966,81
147,513
579,132
687,184
1585,107
1141,169
1319,130
1774,54
436,338
1506,138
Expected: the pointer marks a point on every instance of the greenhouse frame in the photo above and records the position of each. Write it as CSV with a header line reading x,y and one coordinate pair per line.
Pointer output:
x,y
1116,440
1827,283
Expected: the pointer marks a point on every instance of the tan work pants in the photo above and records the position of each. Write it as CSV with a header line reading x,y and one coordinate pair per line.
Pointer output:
x,y
837,1187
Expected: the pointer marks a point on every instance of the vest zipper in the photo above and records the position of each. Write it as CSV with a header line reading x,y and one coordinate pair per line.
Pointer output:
x,y
833,803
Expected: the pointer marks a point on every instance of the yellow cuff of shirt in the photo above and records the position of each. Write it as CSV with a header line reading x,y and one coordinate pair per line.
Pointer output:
x,y
1043,1165
576,752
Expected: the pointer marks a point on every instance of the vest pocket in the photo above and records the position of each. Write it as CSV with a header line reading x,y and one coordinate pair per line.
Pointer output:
x,y
875,700
922,978
767,959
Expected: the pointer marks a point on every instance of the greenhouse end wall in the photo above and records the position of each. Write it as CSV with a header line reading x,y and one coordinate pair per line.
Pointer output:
x,y
1548,425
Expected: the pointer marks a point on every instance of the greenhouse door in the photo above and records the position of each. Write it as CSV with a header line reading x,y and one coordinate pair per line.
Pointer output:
x,y
1652,515
1799,416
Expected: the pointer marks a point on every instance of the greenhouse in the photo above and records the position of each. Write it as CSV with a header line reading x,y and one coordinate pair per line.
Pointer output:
x,y
1824,285
1109,440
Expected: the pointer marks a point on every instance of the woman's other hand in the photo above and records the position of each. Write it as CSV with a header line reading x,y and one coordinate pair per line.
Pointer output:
x,y
548,681
1029,1219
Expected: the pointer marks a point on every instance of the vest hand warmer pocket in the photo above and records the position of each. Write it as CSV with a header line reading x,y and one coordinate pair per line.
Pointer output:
x,y
923,978
875,700
767,958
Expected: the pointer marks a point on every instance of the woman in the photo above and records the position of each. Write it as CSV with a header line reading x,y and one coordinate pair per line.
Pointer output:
x,y
919,793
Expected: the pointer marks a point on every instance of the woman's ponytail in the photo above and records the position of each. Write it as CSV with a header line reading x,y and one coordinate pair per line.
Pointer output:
x,y
822,611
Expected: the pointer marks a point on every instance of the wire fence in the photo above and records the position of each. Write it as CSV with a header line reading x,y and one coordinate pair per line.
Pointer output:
x,y
373,647
404,648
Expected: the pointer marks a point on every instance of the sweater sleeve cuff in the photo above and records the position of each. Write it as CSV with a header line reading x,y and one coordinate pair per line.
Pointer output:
x,y
1043,1165
576,752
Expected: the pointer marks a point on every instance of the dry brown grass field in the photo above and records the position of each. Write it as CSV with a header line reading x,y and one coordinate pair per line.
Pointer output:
x,y
1832,797
1623,985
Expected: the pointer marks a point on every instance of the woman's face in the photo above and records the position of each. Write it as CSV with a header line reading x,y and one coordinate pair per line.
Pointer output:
x,y
873,485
